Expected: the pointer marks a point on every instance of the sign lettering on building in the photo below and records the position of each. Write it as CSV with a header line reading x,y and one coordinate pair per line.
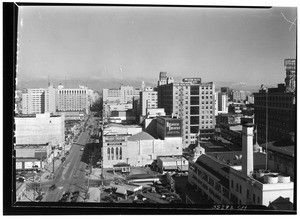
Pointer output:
x,y
114,138
114,143
173,128
192,80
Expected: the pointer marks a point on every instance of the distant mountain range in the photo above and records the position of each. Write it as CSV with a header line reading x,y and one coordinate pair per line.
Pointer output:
x,y
98,85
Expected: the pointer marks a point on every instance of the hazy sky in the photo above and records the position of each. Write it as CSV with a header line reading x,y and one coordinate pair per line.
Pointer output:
x,y
216,44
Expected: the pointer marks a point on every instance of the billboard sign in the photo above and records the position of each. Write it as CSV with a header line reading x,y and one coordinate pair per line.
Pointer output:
x,y
173,128
192,80
114,138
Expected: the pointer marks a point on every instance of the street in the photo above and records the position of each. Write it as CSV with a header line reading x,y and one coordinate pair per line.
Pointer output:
x,y
70,176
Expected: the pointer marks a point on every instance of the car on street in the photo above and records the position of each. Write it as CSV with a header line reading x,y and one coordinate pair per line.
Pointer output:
x,y
75,193
63,159
66,194
52,187
82,148
21,179
39,198
63,199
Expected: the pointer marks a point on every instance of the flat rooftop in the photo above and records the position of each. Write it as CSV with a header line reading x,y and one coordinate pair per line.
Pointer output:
x,y
171,158
30,145
213,146
122,126
33,115
283,147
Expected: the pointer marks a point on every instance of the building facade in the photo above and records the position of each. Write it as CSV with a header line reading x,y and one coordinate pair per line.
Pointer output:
x,y
148,100
57,100
275,113
40,129
275,108
194,103
30,156
33,101
72,100
239,180
129,144
50,99
122,95
221,103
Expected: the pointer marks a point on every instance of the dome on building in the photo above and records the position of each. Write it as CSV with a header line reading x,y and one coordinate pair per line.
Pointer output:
x,y
256,147
197,149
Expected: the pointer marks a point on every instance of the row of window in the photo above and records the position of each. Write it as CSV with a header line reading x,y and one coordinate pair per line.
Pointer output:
x,y
114,153
238,188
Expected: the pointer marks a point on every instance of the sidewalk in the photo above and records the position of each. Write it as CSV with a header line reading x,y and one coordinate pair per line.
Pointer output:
x,y
48,170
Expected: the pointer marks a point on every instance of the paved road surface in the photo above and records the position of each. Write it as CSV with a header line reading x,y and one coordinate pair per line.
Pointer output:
x,y
71,174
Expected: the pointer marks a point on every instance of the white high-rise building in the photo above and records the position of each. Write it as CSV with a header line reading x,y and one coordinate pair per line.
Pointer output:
x,y
148,100
221,102
122,95
72,100
50,99
33,101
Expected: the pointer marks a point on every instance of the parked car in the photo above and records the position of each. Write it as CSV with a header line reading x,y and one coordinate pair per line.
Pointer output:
x,y
39,198
66,194
75,193
82,149
52,187
21,179
63,159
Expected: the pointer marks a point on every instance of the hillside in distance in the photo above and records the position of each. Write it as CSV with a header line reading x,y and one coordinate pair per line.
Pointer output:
x,y
98,85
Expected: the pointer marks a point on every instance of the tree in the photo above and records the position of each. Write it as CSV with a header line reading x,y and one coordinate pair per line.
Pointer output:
x,y
97,107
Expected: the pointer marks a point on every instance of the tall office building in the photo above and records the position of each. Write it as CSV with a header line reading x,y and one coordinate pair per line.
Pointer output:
x,y
122,95
50,99
164,79
148,100
193,102
221,102
275,109
111,95
225,90
72,100
33,101
290,80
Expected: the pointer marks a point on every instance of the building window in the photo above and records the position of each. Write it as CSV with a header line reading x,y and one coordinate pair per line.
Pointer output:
x,y
108,153
232,185
112,153
258,200
120,153
253,198
117,153
240,189
248,195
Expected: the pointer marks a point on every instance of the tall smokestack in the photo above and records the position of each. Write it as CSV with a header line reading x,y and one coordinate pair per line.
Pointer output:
x,y
247,149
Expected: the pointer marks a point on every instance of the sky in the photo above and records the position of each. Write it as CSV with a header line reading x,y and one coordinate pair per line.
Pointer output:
x,y
106,43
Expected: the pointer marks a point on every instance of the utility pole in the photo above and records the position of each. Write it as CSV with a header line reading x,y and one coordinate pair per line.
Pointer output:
x,y
41,165
53,161
267,129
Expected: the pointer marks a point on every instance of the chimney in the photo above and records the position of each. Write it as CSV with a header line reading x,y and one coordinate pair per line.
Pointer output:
x,y
247,149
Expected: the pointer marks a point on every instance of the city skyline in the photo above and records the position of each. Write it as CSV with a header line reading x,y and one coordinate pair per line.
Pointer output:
x,y
125,43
